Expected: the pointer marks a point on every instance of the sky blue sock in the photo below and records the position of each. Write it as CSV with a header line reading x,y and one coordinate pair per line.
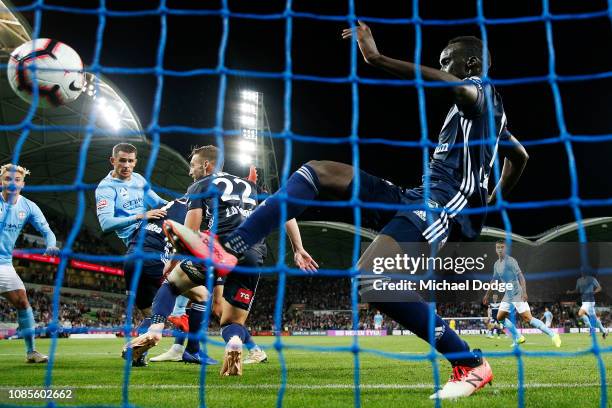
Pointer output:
x,y
179,306
303,185
586,321
511,328
599,325
538,324
25,318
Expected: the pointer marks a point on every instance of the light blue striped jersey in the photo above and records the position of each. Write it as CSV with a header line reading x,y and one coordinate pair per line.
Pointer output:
x,y
507,270
118,202
13,217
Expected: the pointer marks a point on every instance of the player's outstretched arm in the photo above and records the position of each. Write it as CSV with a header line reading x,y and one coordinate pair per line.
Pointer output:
x,y
466,94
38,220
302,259
515,159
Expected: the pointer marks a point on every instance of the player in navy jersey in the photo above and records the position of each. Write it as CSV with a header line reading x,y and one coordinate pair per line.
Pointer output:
x,y
15,212
151,277
459,180
234,199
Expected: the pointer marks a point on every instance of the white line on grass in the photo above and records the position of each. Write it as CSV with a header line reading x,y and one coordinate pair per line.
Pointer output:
x,y
306,386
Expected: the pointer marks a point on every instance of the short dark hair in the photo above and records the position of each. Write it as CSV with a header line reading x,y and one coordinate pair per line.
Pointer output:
x,y
124,147
208,152
473,46
500,241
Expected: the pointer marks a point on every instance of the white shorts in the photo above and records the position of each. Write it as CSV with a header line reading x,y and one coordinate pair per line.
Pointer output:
x,y
377,326
588,307
521,307
548,324
9,280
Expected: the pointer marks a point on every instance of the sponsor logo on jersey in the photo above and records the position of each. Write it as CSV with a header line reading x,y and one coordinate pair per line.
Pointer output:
x,y
123,192
21,215
421,214
132,204
244,296
102,204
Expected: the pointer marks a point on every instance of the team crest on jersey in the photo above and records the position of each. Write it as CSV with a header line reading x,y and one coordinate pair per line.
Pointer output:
x,y
21,215
123,192
101,204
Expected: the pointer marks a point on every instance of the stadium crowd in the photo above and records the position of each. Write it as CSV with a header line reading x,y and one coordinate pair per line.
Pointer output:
x,y
311,304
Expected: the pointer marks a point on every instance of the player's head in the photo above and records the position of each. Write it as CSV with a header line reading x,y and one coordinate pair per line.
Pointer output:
x,y
13,177
204,161
546,309
500,248
495,297
123,160
462,57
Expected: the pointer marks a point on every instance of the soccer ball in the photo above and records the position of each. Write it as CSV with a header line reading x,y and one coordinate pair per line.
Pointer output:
x,y
59,72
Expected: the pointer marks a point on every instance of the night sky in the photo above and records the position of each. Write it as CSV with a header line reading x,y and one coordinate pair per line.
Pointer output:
x,y
321,109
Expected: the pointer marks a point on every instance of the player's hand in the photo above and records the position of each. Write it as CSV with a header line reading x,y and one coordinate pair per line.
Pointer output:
x,y
156,214
365,39
304,261
52,251
525,297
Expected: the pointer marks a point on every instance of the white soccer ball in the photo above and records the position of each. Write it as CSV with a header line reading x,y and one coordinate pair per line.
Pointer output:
x,y
59,72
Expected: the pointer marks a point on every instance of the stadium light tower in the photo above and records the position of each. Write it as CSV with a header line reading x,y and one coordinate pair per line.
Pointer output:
x,y
255,143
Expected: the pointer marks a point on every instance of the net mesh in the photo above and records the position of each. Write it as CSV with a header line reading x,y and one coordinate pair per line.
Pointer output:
x,y
222,72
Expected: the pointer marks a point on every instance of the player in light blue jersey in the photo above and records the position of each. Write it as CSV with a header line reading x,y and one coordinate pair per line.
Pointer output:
x,y
121,199
587,286
122,202
507,270
548,317
15,212
378,321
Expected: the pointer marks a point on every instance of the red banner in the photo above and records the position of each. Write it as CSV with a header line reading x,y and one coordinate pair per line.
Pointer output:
x,y
73,264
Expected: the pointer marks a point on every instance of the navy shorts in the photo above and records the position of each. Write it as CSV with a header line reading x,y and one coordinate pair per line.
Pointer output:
x,y
239,289
406,225
148,283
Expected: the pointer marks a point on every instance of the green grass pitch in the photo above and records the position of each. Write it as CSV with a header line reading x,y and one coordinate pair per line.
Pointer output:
x,y
315,379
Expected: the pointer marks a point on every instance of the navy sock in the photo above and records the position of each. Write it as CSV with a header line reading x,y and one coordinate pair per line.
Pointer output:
x,y
196,316
144,325
415,317
248,341
303,184
234,329
163,302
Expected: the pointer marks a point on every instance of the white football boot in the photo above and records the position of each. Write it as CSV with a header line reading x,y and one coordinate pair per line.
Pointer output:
x,y
174,353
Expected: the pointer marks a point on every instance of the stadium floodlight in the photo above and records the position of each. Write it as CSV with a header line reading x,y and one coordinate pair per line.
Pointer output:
x,y
246,146
245,159
108,113
248,120
248,108
250,96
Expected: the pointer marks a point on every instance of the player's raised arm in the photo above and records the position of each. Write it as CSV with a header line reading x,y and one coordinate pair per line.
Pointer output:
x,y
515,159
456,64
302,259
38,220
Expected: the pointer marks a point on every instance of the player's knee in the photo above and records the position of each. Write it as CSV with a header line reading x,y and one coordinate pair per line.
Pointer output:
x,y
21,303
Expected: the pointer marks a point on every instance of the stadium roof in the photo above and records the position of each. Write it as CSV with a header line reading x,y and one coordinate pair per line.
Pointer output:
x,y
53,157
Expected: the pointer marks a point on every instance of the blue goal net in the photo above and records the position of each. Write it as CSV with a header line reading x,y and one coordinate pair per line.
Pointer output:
x,y
289,138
